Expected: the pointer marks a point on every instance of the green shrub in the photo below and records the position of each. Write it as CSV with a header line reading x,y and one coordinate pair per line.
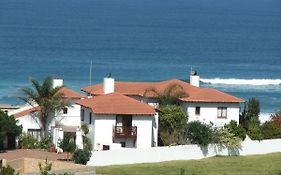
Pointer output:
x,y
254,129
236,129
67,144
44,143
8,171
199,133
81,156
270,130
228,139
87,144
28,142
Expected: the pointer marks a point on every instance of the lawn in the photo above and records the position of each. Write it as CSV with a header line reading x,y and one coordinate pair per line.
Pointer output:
x,y
269,164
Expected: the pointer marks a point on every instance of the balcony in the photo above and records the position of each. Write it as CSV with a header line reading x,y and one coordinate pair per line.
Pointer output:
x,y
125,131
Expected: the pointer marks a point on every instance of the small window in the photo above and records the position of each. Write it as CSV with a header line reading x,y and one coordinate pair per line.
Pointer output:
x,y
64,110
123,144
35,133
197,110
82,114
90,118
222,112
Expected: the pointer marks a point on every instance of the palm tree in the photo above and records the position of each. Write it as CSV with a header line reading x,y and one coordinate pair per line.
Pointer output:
x,y
49,100
169,96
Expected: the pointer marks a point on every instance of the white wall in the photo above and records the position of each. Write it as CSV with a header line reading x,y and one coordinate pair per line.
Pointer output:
x,y
28,122
72,118
208,112
183,152
144,130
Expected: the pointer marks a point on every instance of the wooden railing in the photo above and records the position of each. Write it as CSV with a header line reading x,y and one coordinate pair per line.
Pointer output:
x,y
125,131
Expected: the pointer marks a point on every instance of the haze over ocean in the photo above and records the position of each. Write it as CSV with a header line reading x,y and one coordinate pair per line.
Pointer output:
x,y
144,41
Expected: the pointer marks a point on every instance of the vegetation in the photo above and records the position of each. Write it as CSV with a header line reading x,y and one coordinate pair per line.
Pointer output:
x,y
67,144
236,129
243,165
251,112
172,123
48,98
270,130
8,171
28,142
228,139
276,118
87,144
47,167
81,156
168,96
8,127
199,133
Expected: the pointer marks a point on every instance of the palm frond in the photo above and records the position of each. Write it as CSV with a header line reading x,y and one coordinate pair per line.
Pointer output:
x,y
151,92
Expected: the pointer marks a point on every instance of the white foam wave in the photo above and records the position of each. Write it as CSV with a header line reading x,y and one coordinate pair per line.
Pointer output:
x,y
233,81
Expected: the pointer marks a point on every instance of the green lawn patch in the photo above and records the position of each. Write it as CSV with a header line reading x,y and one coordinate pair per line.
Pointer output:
x,y
268,164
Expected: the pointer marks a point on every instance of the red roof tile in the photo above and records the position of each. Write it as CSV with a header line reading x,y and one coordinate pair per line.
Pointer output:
x,y
195,94
26,112
68,93
116,103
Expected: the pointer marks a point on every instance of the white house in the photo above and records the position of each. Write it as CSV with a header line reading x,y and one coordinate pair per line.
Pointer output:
x,y
203,104
66,121
116,120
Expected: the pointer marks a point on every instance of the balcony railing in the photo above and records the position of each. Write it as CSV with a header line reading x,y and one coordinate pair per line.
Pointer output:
x,y
125,131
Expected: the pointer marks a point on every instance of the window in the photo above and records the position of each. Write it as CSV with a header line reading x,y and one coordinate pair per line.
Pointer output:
x,y
64,110
90,118
123,144
35,133
222,112
82,114
197,110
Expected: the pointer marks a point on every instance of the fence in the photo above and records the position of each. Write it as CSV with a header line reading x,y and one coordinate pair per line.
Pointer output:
x,y
182,152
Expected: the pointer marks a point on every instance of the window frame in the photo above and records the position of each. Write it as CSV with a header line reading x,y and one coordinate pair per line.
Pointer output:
x,y
82,114
65,110
90,118
197,110
221,111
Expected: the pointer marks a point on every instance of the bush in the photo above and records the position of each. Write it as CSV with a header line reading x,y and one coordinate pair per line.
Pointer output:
x,y
228,139
45,143
199,133
28,142
7,171
237,130
81,156
87,144
270,130
67,144
276,118
254,130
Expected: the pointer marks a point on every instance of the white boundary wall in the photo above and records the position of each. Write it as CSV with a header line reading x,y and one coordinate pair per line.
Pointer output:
x,y
182,152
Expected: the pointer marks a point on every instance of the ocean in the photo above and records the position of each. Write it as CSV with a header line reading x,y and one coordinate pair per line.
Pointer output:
x,y
234,45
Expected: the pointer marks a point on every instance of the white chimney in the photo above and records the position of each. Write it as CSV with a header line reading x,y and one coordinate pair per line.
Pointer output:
x,y
194,78
108,85
57,82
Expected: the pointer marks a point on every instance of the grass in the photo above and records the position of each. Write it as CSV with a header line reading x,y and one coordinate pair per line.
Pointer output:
x,y
268,164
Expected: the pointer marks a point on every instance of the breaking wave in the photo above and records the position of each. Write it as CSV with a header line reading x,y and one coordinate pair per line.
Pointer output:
x,y
233,81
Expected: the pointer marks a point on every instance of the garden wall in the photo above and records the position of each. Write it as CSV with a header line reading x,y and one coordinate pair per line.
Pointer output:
x,y
182,152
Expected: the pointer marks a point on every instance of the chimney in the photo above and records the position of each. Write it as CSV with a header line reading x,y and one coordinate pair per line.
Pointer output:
x,y
194,78
108,85
57,82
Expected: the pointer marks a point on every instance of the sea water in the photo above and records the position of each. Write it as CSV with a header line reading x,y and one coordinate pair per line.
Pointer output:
x,y
235,45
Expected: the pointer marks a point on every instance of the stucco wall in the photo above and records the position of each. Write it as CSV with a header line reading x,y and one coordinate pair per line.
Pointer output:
x,y
28,122
144,130
208,112
182,152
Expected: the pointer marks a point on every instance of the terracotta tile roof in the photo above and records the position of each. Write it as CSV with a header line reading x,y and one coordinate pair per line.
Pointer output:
x,y
26,112
68,93
195,94
116,103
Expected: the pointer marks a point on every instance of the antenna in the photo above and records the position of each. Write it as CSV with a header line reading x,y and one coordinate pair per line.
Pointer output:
x,y
90,77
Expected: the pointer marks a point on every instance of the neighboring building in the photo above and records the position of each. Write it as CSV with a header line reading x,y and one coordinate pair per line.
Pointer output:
x,y
116,120
7,107
66,121
203,104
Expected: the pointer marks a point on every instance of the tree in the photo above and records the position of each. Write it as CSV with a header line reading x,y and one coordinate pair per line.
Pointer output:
x,y
49,99
251,110
270,130
254,129
8,127
172,123
169,96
